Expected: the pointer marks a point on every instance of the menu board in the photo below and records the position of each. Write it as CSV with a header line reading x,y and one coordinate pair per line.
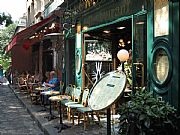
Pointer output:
x,y
107,90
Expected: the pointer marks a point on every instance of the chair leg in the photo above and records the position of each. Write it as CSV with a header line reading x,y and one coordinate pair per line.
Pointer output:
x,y
79,115
85,121
97,114
72,113
88,119
69,113
92,116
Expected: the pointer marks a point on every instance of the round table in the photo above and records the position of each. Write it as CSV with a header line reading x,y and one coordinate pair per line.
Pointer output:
x,y
42,88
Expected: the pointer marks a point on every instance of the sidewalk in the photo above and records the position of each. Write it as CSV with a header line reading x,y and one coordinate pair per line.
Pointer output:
x,y
48,126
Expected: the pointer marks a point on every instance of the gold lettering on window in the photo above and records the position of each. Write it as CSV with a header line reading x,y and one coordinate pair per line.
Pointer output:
x,y
161,17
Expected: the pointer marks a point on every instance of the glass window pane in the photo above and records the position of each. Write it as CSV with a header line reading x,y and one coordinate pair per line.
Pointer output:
x,y
161,17
161,65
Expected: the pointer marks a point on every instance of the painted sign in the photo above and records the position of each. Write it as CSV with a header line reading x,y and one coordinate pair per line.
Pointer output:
x,y
161,17
111,11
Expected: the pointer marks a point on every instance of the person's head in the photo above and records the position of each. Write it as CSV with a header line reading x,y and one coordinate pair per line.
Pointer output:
x,y
52,74
47,74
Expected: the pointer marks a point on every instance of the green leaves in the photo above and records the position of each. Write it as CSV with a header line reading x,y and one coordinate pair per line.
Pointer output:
x,y
5,37
7,19
148,115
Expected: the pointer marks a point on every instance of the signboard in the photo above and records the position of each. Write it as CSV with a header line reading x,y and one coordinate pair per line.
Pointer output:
x,y
107,90
111,10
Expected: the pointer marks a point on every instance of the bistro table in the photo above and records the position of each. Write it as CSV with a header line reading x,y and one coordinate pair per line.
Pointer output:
x,y
49,94
59,98
41,90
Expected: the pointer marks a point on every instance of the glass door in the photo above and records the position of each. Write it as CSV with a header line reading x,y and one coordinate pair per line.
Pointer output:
x,y
139,51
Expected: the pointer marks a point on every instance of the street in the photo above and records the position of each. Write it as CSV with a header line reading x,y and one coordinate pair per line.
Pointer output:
x,y
14,118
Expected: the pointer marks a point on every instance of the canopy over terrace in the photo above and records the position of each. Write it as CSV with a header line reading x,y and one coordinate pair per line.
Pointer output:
x,y
34,33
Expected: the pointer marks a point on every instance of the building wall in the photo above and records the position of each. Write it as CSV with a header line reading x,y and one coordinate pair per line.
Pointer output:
x,y
21,58
35,10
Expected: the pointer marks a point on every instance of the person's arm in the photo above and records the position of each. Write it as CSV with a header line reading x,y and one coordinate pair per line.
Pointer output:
x,y
49,85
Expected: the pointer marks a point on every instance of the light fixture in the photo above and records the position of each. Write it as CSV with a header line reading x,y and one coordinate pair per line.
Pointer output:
x,y
140,23
129,42
120,28
121,43
54,34
85,28
52,26
106,31
123,55
73,25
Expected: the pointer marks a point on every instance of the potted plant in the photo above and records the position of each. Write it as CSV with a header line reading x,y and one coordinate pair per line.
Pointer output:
x,y
146,115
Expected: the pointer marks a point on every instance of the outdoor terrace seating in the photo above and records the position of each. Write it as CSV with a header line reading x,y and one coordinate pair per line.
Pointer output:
x,y
76,97
83,103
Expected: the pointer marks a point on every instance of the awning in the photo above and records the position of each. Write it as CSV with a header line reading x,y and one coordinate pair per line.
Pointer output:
x,y
22,36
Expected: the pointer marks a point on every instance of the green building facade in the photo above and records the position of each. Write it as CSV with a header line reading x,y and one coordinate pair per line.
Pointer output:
x,y
148,30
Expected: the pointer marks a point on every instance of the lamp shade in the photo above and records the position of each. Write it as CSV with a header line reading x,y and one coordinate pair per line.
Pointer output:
x,y
123,55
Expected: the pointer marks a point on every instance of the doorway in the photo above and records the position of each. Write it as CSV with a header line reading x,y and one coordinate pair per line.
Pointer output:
x,y
129,34
139,51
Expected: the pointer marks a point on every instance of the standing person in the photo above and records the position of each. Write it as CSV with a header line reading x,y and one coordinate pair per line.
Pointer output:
x,y
53,81
1,74
1,70
9,74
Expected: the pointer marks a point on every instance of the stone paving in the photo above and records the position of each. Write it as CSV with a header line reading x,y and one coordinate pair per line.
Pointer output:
x,y
48,126
14,118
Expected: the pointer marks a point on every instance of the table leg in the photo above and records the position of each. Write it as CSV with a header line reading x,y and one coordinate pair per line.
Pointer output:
x,y
61,125
51,116
108,121
42,103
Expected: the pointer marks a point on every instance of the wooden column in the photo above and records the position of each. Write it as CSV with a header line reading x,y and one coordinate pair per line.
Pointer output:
x,y
40,60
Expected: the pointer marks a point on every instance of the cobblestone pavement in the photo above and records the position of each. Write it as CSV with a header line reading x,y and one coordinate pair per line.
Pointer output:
x,y
48,126
14,118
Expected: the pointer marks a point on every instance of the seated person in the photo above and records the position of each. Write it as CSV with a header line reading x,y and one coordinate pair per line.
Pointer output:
x,y
53,84
46,77
53,81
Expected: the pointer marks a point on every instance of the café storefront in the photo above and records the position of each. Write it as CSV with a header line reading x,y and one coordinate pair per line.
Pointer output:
x,y
146,29
107,27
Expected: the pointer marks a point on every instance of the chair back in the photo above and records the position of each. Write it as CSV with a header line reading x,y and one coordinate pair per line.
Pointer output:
x,y
61,86
77,94
21,81
68,90
85,97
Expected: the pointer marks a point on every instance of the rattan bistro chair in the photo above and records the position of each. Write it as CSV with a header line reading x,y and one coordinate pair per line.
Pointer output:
x,y
22,83
76,97
85,111
83,103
